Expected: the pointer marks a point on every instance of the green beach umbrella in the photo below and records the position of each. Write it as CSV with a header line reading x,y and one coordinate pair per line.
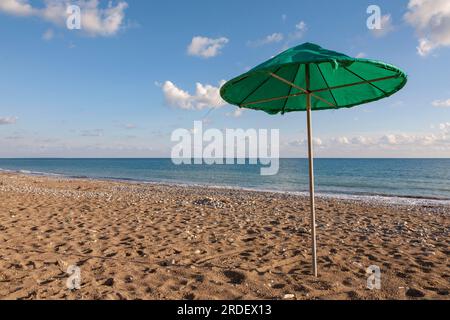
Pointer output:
x,y
310,78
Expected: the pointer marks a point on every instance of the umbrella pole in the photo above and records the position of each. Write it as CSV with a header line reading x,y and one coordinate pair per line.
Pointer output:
x,y
311,177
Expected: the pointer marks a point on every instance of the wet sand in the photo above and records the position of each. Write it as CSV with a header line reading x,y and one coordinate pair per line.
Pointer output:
x,y
139,241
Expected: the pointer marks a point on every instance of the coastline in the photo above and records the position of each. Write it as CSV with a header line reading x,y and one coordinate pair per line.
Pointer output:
x,y
147,241
375,199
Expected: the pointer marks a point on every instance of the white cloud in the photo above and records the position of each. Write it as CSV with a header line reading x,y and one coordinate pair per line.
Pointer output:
x,y
236,113
15,137
48,35
300,30
301,26
130,126
176,97
424,143
361,55
206,47
95,21
441,103
388,139
445,127
386,26
92,133
16,7
296,143
415,140
425,47
274,37
360,140
317,142
397,104
342,140
271,38
431,20
206,96
104,22
300,142
401,140
8,120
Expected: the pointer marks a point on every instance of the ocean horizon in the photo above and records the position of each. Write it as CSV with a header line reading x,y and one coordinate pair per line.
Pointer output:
x,y
414,178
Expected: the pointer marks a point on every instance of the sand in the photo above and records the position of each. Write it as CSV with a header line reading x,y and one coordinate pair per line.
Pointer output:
x,y
138,241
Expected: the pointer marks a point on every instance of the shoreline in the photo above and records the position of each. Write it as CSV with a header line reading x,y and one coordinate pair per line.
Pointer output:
x,y
376,199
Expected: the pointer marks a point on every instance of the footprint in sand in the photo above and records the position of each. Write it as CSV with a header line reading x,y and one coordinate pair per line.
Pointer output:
x,y
414,293
199,278
234,276
189,296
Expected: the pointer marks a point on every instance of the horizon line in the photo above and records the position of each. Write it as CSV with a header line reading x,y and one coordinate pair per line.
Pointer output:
x,y
192,158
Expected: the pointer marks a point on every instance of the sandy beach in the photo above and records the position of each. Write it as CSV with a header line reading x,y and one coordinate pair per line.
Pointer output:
x,y
141,241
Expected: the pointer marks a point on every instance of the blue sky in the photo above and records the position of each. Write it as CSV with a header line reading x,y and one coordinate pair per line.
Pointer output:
x,y
119,86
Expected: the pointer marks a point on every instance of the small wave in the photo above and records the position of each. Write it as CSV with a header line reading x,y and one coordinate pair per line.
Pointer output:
x,y
365,197
385,199
375,199
30,172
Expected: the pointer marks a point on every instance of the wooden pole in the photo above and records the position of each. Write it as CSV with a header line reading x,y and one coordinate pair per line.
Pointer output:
x,y
311,176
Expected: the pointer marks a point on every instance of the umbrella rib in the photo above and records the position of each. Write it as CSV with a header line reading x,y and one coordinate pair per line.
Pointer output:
x,y
256,89
318,90
355,84
272,99
241,79
376,87
302,89
326,83
290,90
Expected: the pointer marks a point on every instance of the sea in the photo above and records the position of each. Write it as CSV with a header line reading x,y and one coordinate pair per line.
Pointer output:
x,y
409,180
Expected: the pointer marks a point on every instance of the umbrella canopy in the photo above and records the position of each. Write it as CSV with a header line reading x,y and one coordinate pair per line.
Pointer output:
x,y
336,81
306,78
